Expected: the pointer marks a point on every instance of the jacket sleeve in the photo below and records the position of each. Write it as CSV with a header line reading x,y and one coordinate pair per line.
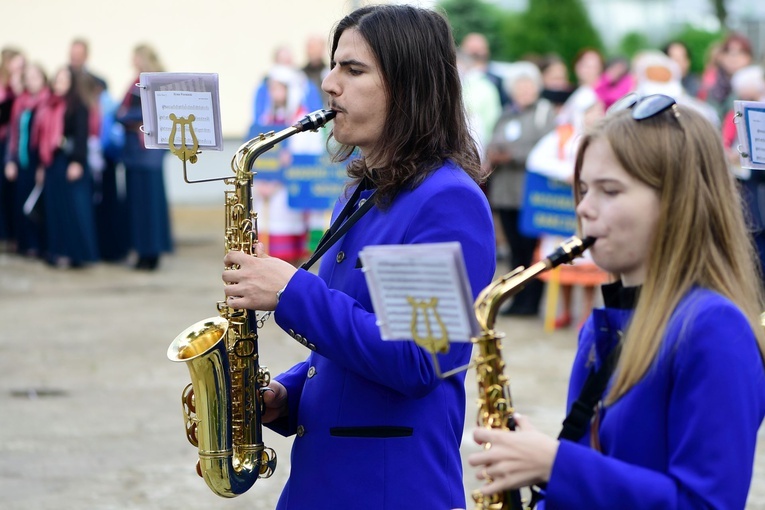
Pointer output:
x,y
342,330
714,409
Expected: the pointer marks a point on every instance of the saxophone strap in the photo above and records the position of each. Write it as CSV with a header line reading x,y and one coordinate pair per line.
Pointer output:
x,y
578,419
341,225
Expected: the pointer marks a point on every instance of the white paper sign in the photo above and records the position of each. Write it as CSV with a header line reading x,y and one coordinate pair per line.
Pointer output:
x,y
420,288
750,127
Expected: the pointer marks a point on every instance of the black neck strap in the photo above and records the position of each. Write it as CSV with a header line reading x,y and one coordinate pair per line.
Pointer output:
x,y
578,419
340,226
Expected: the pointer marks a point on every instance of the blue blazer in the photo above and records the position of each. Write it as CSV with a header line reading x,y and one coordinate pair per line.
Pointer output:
x,y
376,428
684,436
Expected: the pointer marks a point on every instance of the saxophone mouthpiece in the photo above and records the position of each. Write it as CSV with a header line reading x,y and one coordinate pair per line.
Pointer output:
x,y
315,120
570,249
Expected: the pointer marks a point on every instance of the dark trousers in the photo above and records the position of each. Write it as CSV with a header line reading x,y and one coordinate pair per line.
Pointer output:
x,y
526,302
753,194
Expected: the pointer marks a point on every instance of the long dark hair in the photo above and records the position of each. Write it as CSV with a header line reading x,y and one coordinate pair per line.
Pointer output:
x,y
426,122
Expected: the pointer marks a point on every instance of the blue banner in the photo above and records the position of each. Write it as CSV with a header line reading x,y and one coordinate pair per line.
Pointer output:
x,y
268,165
548,207
314,182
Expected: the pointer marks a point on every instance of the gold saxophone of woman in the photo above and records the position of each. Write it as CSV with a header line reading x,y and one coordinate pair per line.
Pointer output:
x,y
223,405
495,406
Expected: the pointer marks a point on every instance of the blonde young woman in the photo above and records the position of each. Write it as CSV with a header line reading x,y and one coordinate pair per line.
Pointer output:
x,y
677,423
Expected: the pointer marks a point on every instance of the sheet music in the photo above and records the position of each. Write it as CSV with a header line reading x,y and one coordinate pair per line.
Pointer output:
x,y
433,276
181,95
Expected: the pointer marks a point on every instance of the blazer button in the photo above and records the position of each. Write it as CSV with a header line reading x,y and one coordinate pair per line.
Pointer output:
x,y
311,372
300,431
340,256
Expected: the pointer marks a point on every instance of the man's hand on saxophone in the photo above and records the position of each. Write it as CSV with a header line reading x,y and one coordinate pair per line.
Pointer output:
x,y
253,282
275,400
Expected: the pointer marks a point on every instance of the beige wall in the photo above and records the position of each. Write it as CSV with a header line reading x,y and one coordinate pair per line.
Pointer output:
x,y
234,38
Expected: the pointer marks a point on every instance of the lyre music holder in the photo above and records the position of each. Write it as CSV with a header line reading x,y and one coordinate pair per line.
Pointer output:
x,y
181,113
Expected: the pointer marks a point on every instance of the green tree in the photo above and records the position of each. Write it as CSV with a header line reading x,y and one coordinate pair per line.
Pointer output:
x,y
466,16
721,12
547,26
632,43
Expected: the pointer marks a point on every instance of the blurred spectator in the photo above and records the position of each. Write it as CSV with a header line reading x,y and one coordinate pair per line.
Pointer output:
x,y
656,73
316,67
476,47
12,64
615,82
149,215
110,194
285,101
554,157
556,86
735,53
60,131
747,84
588,67
481,99
22,160
302,91
711,69
681,54
516,132
78,59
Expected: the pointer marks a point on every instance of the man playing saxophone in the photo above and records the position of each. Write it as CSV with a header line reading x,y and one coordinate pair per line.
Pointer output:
x,y
376,427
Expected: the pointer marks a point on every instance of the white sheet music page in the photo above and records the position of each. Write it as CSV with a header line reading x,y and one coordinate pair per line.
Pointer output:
x,y
420,289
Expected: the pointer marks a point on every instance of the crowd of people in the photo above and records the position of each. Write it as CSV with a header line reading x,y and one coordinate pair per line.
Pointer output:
x,y
537,117
78,186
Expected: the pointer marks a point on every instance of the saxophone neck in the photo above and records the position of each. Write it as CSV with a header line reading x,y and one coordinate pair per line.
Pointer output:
x,y
252,149
491,298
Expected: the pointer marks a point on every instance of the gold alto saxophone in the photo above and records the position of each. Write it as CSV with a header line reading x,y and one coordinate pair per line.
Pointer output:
x,y
223,405
495,406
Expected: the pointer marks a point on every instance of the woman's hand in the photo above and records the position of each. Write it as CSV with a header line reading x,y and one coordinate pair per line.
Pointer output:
x,y
275,400
74,171
11,171
513,459
256,281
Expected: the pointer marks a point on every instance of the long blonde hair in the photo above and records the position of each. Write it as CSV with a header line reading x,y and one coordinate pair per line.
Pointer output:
x,y
701,237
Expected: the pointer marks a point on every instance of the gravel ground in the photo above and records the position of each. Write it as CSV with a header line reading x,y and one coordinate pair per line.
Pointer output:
x,y
91,406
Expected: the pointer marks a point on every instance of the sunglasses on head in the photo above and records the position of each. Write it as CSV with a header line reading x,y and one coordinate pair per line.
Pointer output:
x,y
644,107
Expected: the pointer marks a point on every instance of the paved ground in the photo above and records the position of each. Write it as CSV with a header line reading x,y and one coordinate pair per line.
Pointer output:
x,y
90,406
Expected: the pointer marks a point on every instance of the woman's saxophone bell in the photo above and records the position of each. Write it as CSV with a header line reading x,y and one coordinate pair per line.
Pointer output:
x,y
495,406
223,405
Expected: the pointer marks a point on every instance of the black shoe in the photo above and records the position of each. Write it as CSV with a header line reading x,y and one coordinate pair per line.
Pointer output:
x,y
147,263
